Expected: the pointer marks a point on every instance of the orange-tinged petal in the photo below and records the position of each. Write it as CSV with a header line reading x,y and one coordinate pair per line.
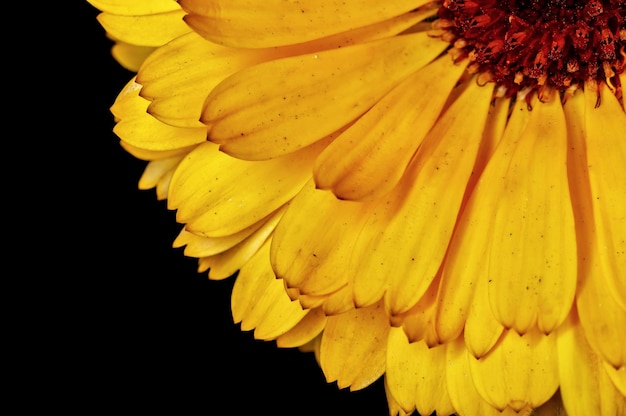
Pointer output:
x,y
138,128
460,385
586,388
265,111
532,258
259,300
605,129
424,207
467,254
416,375
145,29
354,345
251,24
520,371
233,194
305,331
225,264
369,158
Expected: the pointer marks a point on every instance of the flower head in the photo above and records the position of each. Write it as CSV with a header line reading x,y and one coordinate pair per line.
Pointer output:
x,y
429,192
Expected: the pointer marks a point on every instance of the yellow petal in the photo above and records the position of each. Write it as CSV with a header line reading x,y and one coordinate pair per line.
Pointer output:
x,y
152,30
416,375
259,300
307,301
617,376
463,394
305,331
177,77
313,243
553,407
200,246
424,208
149,155
138,128
131,56
603,320
313,345
218,195
394,407
497,122
532,258
597,300
337,244
482,330
135,7
467,254
520,371
274,108
605,129
353,347
586,388
225,264
369,158
247,24
158,173
340,301
418,322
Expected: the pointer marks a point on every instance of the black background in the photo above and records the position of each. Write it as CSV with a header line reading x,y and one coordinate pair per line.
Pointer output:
x,y
141,329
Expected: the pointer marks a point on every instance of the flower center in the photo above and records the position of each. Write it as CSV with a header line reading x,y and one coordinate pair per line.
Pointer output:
x,y
538,44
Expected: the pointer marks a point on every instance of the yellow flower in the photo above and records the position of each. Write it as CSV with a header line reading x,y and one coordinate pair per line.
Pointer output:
x,y
429,192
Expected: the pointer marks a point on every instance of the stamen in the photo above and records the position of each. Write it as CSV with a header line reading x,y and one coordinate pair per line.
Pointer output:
x,y
543,45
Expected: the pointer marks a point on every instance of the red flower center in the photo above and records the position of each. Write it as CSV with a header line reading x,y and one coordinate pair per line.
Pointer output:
x,y
540,43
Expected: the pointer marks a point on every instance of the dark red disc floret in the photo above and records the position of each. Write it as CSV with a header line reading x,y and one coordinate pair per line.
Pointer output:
x,y
540,43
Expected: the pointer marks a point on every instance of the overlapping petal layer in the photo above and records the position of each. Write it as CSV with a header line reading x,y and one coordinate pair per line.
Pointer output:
x,y
353,347
606,158
387,208
260,302
369,158
266,109
137,127
521,372
249,24
143,22
416,375
584,379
